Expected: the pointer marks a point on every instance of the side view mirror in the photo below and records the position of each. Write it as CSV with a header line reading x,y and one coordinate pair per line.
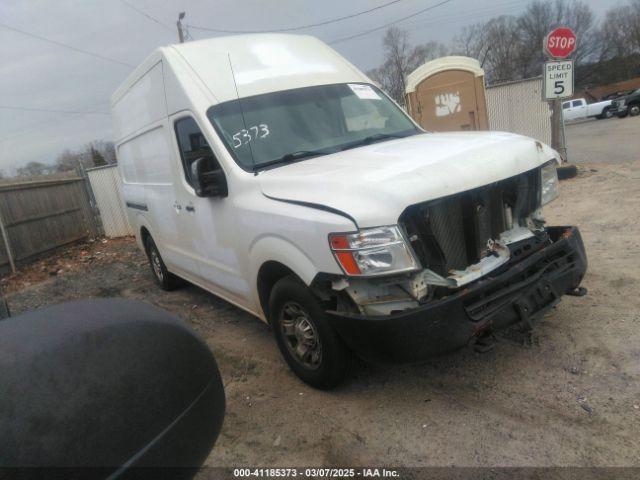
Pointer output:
x,y
206,182
107,384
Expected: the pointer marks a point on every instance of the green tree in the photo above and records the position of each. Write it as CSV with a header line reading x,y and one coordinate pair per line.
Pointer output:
x,y
96,157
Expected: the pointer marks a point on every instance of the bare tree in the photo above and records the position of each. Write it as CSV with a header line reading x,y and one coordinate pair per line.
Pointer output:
x,y
95,154
67,161
510,48
32,169
620,32
401,59
470,42
579,17
534,23
504,52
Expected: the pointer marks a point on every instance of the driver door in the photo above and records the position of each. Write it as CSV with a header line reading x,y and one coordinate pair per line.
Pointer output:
x,y
208,223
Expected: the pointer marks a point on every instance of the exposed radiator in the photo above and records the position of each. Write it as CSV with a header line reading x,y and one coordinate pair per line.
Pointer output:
x,y
452,233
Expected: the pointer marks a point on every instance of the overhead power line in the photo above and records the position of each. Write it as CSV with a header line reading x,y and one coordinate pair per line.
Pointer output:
x,y
300,27
367,32
495,10
64,45
47,110
33,127
145,14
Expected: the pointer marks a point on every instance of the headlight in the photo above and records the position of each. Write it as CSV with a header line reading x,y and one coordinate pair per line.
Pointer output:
x,y
548,182
372,251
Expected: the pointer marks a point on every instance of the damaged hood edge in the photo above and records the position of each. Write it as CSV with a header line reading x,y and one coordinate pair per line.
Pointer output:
x,y
373,185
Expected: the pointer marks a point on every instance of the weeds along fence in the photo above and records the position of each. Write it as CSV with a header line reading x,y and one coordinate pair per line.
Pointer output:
x,y
39,216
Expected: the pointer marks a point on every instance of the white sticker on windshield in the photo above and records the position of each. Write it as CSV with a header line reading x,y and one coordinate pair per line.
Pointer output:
x,y
364,91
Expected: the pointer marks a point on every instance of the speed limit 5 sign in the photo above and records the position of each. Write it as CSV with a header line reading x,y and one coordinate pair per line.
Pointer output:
x,y
558,79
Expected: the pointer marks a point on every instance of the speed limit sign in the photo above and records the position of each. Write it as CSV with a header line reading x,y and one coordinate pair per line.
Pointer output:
x,y
558,79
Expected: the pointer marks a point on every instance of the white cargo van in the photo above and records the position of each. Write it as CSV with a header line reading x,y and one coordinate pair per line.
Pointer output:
x,y
269,171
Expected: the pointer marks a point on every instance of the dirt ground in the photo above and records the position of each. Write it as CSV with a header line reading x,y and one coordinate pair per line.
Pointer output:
x,y
571,397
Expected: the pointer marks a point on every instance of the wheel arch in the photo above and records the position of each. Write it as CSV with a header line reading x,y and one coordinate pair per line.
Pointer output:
x,y
273,258
269,274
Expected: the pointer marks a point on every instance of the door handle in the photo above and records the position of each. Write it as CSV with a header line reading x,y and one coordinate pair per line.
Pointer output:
x,y
190,208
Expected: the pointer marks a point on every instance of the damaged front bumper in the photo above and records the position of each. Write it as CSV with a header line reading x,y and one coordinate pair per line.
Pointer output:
x,y
516,293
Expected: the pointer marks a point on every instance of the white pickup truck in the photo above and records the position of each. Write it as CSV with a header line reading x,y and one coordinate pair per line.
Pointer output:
x,y
578,109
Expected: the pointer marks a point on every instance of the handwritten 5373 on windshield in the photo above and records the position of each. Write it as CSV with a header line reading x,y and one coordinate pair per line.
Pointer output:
x,y
245,136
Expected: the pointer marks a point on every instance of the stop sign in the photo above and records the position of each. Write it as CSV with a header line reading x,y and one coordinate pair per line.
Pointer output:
x,y
560,43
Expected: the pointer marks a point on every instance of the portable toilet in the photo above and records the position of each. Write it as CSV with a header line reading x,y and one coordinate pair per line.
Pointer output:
x,y
447,94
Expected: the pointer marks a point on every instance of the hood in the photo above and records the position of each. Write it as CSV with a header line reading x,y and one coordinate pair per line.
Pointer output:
x,y
375,183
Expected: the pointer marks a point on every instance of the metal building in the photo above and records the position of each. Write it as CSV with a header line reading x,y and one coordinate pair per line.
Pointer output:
x,y
518,107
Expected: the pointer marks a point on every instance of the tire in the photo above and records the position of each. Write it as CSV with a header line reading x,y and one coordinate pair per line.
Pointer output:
x,y
163,277
634,110
298,318
606,113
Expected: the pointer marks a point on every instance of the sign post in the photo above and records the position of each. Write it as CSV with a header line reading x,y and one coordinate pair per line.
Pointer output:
x,y
558,81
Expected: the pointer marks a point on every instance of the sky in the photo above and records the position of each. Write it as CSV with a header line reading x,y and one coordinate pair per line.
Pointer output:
x,y
39,75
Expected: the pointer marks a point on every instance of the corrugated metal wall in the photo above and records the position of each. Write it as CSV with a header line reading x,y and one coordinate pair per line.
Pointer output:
x,y
107,190
518,107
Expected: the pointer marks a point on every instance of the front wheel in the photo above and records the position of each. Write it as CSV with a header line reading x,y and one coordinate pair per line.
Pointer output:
x,y
634,110
308,343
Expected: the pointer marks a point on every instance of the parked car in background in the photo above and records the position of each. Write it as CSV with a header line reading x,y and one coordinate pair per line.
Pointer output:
x,y
627,105
578,109
270,171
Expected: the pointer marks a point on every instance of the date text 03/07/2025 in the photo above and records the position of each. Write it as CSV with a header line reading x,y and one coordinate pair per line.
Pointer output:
x,y
315,472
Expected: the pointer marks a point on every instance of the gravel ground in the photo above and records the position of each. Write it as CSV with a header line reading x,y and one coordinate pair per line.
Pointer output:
x,y
613,140
570,397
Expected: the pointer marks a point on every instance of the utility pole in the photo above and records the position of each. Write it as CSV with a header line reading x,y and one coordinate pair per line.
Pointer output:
x,y
179,24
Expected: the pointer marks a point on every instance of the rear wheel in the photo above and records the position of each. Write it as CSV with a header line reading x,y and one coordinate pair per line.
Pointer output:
x,y
308,343
163,277
606,113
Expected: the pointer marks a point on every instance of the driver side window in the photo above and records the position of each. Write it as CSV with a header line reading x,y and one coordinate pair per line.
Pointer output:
x,y
193,145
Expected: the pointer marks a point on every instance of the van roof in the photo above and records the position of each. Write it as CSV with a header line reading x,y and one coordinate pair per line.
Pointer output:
x,y
246,65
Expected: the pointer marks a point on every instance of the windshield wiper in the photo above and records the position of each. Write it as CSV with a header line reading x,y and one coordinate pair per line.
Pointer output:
x,y
292,157
371,139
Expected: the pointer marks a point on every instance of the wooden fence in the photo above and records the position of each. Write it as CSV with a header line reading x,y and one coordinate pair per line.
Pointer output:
x,y
38,216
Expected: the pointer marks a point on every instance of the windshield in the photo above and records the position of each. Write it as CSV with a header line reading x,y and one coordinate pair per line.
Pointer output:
x,y
290,125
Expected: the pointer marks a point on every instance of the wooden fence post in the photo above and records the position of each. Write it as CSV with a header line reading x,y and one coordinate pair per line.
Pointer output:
x,y
7,244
